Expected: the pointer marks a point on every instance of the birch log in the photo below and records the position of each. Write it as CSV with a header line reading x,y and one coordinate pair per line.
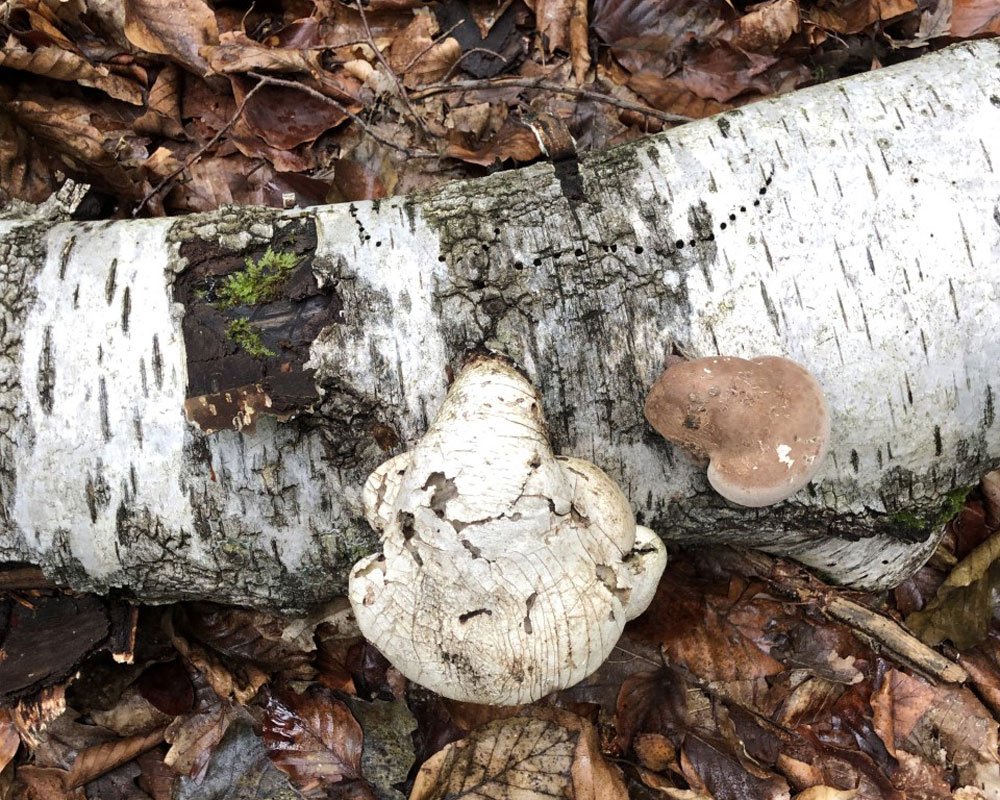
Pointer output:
x,y
854,227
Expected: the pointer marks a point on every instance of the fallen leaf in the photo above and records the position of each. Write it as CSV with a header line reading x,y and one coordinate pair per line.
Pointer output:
x,y
312,737
44,783
552,22
167,686
193,737
579,47
544,753
9,739
767,26
964,605
133,714
991,498
95,761
853,16
64,65
707,765
415,55
514,140
939,721
173,28
825,793
974,18
237,52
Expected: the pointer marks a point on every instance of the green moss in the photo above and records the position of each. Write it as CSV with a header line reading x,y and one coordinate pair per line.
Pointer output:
x,y
248,337
953,504
258,282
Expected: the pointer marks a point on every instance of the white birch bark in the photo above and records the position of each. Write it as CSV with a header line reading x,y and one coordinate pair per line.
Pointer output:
x,y
854,227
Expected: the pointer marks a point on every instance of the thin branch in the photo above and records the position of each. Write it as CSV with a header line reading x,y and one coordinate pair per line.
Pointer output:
x,y
432,45
199,152
533,83
343,110
382,60
469,52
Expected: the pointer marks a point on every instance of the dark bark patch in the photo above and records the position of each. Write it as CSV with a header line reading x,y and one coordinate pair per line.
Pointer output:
x,y
126,309
102,397
111,281
248,327
157,361
46,373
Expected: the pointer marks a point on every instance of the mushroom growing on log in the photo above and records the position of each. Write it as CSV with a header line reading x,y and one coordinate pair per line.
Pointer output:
x,y
506,572
763,423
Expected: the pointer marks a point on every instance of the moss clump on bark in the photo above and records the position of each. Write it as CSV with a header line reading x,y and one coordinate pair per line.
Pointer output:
x,y
259,282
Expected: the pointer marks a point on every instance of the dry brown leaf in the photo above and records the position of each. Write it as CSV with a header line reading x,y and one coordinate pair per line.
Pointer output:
x,y
579,48
767,26
552,22
707,766
825,793
965,603
237,52
173,28
132,715
100,759
513,141
975,18
312,737
9,739
672,96
543,753
44,783
935,721
417,58
63,65
193,737
853,16
282,118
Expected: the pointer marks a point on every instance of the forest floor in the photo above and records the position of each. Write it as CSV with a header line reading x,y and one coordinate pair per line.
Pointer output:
x,y
746,679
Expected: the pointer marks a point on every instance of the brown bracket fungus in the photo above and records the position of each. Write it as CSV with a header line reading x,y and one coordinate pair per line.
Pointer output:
x,y
763,423
506,572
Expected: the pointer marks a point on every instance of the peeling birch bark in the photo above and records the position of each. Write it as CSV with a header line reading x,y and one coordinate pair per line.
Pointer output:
x,y
853,227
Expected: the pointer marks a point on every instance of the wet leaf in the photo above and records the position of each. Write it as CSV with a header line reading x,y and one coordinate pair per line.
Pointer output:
x,y
543,754
965,603
706,764
312,737
173,28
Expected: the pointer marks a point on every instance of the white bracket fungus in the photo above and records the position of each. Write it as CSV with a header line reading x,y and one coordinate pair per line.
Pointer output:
x,y
506,572
763,423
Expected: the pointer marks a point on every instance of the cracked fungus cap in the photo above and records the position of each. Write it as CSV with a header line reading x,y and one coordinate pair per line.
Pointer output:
x,y
506,572
763,423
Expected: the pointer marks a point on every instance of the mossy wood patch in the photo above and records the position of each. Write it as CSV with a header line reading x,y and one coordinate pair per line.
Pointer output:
x,y
250,318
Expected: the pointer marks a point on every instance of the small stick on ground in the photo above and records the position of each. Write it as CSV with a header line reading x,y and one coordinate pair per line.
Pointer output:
x,y
382,60
197,153
532,83
869,625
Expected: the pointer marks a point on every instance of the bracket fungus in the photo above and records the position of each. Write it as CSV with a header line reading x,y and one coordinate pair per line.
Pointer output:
x,y
506,572
763,423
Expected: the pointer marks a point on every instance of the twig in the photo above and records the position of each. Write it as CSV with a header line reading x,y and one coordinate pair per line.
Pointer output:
x,y
432,45
862,620
454,67
533,83
199,152
343,110
395,78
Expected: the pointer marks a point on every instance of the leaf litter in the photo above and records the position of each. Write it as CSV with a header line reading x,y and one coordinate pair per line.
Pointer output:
x,y
175,106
